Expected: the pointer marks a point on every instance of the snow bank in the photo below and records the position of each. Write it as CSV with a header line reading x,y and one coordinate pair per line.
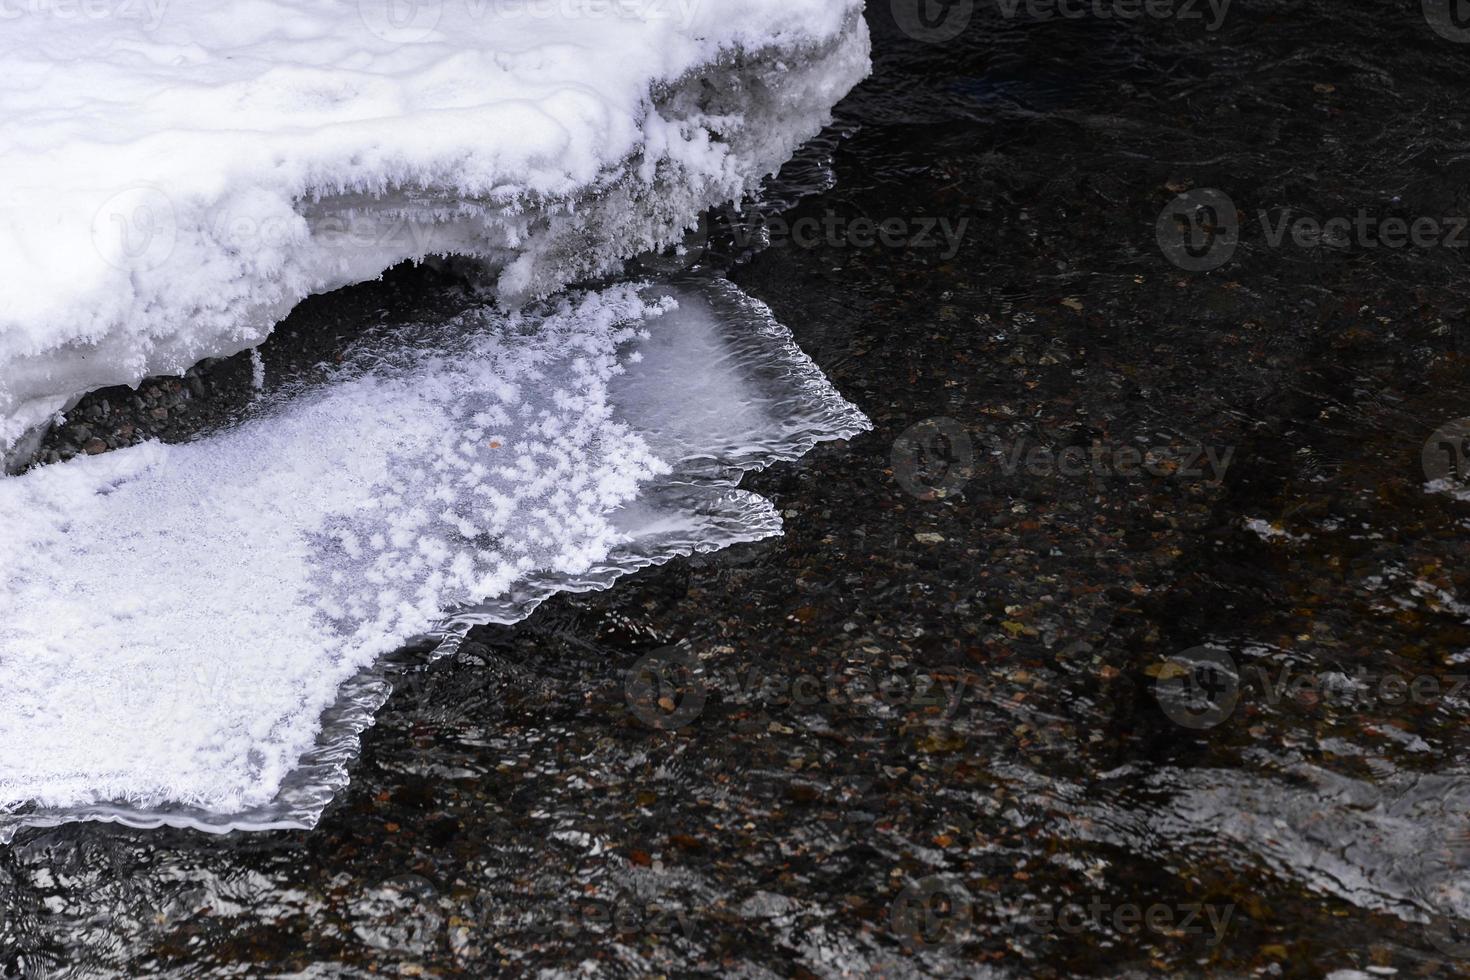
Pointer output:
x,y
175,176
185,629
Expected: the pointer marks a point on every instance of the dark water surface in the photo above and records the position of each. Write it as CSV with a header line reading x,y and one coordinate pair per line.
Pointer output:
x,y
1048,782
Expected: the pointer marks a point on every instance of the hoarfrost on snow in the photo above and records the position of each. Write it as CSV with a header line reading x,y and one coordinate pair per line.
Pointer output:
x,y
180,623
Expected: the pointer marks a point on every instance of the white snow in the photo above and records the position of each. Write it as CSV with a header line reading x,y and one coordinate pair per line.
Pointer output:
x,y
174,176
175,621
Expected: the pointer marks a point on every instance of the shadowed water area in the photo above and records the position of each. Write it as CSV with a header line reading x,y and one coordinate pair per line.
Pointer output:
x,y
923,732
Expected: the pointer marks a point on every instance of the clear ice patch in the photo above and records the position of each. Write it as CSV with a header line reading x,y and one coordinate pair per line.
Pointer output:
x,y
191,635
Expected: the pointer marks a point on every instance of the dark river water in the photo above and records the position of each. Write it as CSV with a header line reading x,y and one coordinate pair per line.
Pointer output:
x,y
1133,641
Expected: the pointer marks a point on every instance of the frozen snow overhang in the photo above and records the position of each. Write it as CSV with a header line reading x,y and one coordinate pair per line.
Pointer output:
x,y
175,178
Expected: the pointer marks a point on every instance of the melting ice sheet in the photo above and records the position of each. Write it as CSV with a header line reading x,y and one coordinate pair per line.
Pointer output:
x,y
187,632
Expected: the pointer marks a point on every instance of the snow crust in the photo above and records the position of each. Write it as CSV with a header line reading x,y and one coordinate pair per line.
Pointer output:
x,y
187,632
175,176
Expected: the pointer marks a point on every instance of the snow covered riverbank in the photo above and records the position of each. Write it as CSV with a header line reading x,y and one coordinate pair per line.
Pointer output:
x,y
171,185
